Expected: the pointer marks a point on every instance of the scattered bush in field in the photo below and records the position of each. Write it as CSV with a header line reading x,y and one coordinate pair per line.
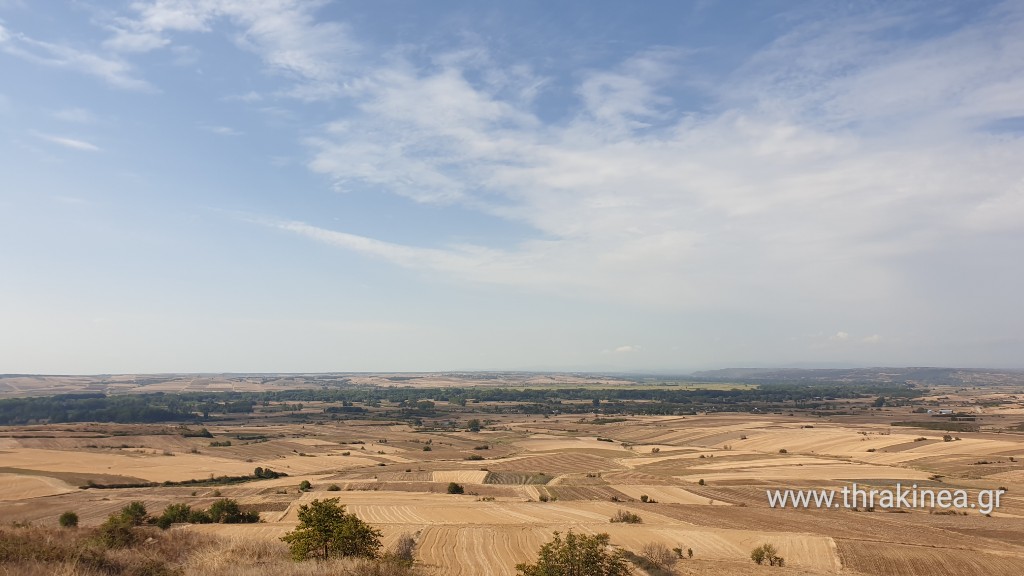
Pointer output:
x,y
783,451
659,555
333,488
579,555
427,448
456,488
655,450
626,517
305,486
644,498
767,553
947,438
326,530
118,531
404,549
474,457
700,482
68,520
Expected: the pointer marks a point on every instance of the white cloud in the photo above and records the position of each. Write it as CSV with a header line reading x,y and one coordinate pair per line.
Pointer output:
x,y
840,336
786,188
222,130
75,115
284,33
873,339
628,349
110,69
72,143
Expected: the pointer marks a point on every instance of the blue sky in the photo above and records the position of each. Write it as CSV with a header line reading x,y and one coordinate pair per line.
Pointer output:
x,y
286,185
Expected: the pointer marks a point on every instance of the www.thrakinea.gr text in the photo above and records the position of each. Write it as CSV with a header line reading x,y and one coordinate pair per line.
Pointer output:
x,y
899,496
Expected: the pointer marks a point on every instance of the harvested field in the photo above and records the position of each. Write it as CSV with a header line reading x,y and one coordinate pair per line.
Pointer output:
x,y
502,519
19,487
870,558
665,494
467,476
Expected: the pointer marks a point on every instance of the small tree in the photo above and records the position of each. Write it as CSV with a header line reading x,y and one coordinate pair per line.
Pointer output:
x,y
659,555
68,520
305,486
325,530
135,513
577,555
455,488
767,553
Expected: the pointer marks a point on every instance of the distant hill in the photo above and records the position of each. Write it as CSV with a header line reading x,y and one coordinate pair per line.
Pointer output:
x,y
915,375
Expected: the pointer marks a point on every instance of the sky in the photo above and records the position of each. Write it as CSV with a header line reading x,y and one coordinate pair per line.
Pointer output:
x,y
305,185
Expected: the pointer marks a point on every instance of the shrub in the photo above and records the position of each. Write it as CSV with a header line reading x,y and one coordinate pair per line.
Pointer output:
x,y
68,520
403,551
579,555
333,488
227,511
659,556
326,530
134,512
700,482
947,438
783,451
427,448
455,488
767,553
305,486
626,517
118,532
474,457
174,513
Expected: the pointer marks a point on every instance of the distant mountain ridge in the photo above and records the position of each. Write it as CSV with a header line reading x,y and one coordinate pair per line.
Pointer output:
x,y
917,375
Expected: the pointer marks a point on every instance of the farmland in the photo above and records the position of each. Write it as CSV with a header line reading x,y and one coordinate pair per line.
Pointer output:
x,y
696,478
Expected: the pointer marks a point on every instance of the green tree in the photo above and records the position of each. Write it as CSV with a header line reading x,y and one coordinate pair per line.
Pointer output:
x,y
68,520
325,530
767,553
135,513
455,488
305,486
577,555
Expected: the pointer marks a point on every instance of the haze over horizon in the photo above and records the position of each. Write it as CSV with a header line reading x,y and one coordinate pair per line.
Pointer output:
x,y
316,186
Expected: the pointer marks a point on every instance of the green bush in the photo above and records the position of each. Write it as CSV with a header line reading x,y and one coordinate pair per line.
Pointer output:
x,y
455,488
68,520
579,555
626,517
326,531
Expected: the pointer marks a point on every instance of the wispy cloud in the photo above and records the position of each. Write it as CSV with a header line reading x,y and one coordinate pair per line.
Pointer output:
x,y
75,115
810,173
111,69
72,143
284,33
222,130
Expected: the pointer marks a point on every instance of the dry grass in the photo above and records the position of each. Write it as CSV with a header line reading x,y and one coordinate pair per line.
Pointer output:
x,y
35,551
